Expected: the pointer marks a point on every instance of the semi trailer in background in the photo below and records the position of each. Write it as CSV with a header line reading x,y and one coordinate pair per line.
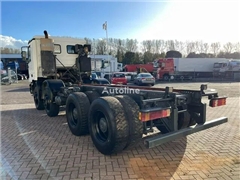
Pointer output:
x,y
227,70
185,68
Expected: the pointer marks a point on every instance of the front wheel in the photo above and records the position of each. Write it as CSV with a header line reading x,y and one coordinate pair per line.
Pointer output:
x,y
37,100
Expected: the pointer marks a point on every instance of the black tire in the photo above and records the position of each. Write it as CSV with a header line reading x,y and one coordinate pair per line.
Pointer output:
x,y
131,110
183,121
139,83
192,122
183,118
161,127
108,125
77,107
92,95
39,104
166,77
51,109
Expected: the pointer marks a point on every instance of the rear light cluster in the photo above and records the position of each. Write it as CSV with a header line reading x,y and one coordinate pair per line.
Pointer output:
x,y
147,116
217,102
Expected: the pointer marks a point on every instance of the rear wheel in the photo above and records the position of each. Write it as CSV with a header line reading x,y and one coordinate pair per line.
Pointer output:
x,y
92,95
183,121
182,78
77,107
161,127
139,83
183,118
166,77
131,110
107,125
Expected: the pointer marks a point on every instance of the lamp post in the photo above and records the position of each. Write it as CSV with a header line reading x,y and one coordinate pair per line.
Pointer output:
x,y
105,28
94,51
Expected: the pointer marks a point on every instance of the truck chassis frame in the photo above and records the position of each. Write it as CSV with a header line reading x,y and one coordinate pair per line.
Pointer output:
x,y
175,112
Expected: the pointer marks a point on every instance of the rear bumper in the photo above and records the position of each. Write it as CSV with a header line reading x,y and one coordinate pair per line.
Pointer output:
x,y
151,142
148,82
124,83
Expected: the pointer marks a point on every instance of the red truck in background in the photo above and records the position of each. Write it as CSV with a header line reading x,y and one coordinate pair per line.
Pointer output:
x,y
185,68
139,68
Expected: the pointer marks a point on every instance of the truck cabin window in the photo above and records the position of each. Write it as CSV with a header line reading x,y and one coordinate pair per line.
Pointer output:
x,y
57,48
71,49
29,54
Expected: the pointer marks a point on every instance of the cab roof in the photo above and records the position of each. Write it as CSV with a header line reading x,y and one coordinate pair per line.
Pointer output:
x,y
58,38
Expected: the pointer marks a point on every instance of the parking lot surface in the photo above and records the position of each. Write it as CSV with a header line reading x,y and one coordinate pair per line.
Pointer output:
x,y
35,146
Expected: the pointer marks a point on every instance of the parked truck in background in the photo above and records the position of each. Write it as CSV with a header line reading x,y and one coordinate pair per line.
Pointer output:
x,y
132,70
1,66
116,120
229,69
109,62
139,68
185,68
105,65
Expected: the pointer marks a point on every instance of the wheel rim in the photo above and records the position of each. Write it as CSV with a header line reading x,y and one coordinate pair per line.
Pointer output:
x,y
103,125
100,127
166,78
73,115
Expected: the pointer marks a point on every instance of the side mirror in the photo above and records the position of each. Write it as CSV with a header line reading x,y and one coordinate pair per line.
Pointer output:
x,y
87,47
78,48
102,64
24,55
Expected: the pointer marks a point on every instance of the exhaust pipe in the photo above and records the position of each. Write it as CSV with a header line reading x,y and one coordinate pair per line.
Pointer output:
x,y
46,34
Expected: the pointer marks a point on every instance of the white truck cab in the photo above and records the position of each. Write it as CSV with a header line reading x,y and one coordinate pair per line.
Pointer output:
x,y
62,47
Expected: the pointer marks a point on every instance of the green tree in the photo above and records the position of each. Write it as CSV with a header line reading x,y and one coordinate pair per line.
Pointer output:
x,y
147,57
129,58
120,56
173,54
